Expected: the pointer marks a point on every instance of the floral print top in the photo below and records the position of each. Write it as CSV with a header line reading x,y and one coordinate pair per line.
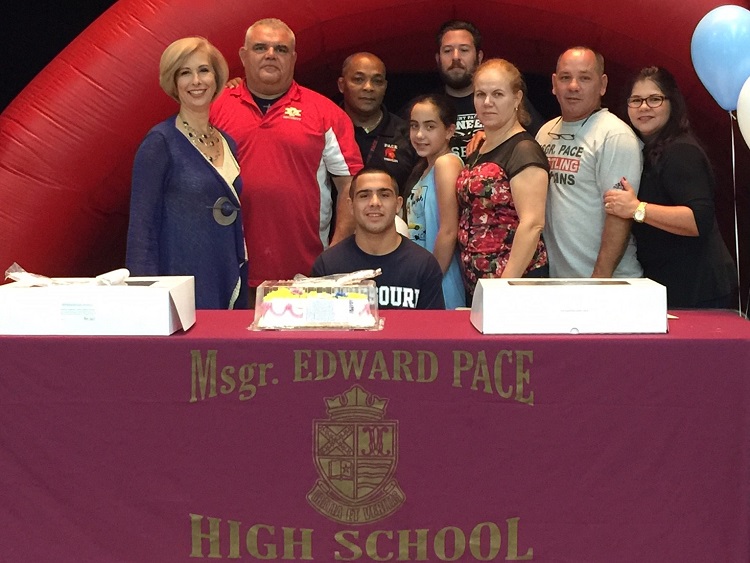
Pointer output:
x,y
487,215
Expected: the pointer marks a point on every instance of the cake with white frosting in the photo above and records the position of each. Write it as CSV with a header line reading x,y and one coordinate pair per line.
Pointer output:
x,y
287,305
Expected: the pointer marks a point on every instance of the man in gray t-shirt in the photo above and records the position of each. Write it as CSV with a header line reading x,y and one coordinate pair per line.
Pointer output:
x,y
589,151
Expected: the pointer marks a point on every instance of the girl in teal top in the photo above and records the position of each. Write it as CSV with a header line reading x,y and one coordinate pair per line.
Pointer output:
x,y
432,206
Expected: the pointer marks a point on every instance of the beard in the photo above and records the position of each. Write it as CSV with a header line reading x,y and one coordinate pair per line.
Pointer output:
x,y
457,82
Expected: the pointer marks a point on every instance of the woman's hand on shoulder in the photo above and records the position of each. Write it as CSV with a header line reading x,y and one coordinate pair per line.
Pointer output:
x,y
476,141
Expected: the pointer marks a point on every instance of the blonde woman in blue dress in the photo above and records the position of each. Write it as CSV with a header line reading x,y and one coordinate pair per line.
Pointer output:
x,y
432,206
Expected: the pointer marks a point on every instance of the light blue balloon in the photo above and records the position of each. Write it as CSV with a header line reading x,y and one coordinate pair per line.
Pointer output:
x,y
720,50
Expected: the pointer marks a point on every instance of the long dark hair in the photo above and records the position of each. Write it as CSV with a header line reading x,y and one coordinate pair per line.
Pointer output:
x,y
678,124
448,116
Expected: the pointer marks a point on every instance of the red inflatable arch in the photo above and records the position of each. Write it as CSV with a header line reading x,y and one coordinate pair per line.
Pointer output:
x,y
70,136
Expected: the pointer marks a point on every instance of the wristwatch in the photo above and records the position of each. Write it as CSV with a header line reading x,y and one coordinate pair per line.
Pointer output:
x,y
640,212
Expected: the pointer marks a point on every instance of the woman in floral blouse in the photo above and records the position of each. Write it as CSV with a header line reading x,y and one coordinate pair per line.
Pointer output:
x,y
502,190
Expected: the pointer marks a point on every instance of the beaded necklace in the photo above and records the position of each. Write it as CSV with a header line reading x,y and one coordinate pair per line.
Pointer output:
x,y
208,143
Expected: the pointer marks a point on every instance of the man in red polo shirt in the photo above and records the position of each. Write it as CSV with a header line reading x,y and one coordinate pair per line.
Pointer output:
x,y
294,145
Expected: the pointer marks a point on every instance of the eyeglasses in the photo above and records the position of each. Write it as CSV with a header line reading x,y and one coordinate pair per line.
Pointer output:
x,y
564,136
568,136
652,101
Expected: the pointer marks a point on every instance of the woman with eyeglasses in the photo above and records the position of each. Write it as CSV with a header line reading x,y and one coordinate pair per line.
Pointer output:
x,y
678,239
184,205
502,190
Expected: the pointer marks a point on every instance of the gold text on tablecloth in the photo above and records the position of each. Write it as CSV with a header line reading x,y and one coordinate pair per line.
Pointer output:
x,y
231,539
503,373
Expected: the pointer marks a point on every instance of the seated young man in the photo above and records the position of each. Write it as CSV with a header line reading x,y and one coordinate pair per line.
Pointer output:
x,y
411,276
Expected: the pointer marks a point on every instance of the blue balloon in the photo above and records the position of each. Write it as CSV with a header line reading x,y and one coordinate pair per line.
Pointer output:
x,y
720,50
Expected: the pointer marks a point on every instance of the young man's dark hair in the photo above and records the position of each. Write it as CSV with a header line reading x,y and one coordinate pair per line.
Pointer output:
x,y
372,170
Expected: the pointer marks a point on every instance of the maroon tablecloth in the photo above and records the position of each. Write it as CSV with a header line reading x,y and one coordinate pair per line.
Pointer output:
x,y
424,441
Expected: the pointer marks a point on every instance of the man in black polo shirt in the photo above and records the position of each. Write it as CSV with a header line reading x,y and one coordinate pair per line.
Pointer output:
x,y
383,137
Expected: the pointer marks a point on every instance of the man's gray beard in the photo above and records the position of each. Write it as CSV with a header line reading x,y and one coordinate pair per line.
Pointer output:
x,y
456,83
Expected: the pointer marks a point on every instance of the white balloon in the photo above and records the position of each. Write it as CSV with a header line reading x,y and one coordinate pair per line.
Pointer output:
x,y
743,111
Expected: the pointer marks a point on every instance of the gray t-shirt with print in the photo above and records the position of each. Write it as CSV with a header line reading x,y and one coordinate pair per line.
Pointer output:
x,y
593,156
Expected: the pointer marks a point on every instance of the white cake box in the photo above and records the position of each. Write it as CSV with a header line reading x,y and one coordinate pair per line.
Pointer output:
x,y
143,306
569,306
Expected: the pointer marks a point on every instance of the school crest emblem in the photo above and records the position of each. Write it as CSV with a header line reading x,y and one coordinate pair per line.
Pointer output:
x,y
389,153
292,112
355,451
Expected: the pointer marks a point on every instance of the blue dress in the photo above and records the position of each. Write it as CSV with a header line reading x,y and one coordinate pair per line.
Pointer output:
x,y
424,222
172,228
